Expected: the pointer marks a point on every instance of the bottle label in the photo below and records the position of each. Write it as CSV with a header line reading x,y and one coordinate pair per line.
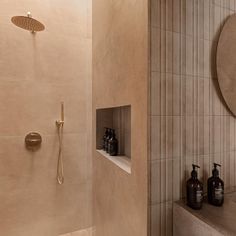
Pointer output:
x,y
219,193
199,196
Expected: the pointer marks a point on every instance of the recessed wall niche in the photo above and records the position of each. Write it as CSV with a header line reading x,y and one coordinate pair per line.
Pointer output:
x,y
119,119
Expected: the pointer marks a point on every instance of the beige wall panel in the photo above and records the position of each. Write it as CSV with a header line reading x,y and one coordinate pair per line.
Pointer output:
x,y
37,72
120,77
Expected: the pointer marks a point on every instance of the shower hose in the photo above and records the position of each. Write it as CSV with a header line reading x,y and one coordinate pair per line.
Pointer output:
x,y
60,168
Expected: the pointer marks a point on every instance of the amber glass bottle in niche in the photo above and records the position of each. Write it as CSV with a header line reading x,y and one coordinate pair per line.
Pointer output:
x,y
113,144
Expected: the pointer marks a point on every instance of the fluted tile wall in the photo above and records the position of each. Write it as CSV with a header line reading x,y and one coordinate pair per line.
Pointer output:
x,y
189,120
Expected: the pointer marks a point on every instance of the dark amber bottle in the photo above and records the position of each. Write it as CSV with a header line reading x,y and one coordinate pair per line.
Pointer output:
x,y
113,144
215,188
107,140
194,190
104,139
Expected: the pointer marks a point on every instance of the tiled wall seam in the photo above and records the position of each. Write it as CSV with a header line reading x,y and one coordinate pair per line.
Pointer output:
x,y
189,120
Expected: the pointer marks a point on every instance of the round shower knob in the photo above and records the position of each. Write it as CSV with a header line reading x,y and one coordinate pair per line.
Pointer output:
x,y
33,141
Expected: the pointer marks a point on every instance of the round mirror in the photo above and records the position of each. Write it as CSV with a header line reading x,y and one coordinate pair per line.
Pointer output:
x,y
226,63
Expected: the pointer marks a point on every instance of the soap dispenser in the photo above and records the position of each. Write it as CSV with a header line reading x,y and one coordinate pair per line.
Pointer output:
x,y
104,139
194,190
113,144
107,140
215,188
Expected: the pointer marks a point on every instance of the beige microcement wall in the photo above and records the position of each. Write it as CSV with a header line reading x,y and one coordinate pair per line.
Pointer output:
x,y
189,120
120,77
37,72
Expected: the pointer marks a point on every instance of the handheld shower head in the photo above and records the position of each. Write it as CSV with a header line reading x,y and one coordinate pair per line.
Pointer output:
x,y
27,23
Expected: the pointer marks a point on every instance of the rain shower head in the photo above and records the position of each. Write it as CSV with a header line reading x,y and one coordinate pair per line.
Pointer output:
x,y
27,23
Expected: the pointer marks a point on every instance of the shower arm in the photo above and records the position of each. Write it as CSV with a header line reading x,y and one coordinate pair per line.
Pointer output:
x,y
29,14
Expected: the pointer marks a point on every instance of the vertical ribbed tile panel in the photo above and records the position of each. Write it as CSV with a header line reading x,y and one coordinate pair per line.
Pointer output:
x,y
189,121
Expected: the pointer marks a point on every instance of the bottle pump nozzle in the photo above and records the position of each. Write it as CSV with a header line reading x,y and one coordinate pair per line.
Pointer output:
x,y
215,165
194,166
215,171
194,172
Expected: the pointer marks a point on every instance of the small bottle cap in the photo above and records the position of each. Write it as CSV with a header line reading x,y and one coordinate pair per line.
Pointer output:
x,y
109,131
106,132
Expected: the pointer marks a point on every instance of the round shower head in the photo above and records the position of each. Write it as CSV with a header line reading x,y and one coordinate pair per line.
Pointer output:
x,y
27,23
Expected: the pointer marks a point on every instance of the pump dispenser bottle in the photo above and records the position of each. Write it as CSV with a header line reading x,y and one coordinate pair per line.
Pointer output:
x,y
113,144
215,188
194,190
104,139
107,140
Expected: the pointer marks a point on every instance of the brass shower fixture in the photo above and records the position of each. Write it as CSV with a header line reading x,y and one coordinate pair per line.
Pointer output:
x,y
60,168
28,23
